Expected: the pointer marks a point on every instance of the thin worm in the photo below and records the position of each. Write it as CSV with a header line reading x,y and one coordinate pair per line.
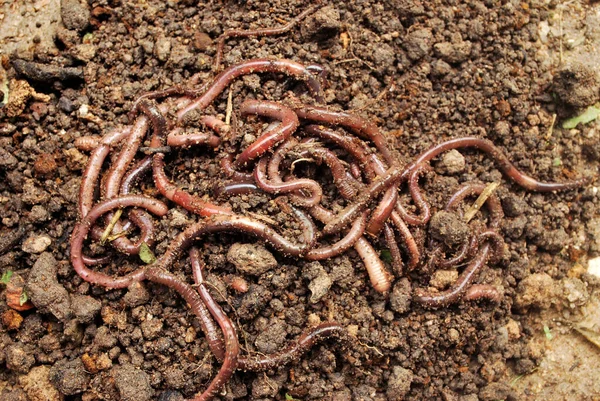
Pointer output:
x,y
94,165
390,239
482,291
350,212
88,143
235,188
270,138
239,33
231,172
187,140
277,186
417,197
501,160
224,79
82,228
414,255
356,124
329,251
232,347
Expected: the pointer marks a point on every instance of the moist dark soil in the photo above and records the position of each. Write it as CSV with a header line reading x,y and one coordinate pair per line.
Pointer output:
x,y
423,72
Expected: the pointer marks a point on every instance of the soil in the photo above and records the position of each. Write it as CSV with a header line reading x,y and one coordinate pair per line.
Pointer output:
x,y
508,71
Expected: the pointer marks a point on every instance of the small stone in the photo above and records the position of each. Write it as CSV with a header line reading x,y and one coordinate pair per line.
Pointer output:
x,y
439,68
201,41
7,160
76,161
162,48
84,52
178,219
11,319
44,290
575,292
137,295
69,377
44,164
18,360
449,228
75,14
272,338
399,383
578,84
36,244
319,286
453,52
133,384
85,308
502,128
417,43
38,214
151,328
38,387
324,24
401,296
537,290
453,162
251,258
66,105
442,279
513,329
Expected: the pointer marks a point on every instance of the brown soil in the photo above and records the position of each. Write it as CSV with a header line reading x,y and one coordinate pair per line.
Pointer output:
x,y
424,72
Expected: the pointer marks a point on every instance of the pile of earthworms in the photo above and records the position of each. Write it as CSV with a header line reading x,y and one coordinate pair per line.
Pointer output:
x,y
366,181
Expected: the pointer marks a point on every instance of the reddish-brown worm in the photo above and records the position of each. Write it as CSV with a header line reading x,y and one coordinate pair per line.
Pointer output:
x,y
239,33
83,227
414,255
94,166
467,250
356,124
345,183
482,291
349,213
390,240
169,190
258,363
350,238
417,197
274,183
501,160
457,290
224,79
231,172
232,347
87,143
270,138
177,140
235,188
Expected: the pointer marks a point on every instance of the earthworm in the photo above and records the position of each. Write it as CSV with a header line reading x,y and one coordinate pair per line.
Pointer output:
x,y
94,166
414,255
231,172
221,223
417,197
466,250
270,138
356,124
329,251
232,347
88,143
482,291
345,183
375,268
237,283
276,186
235,188
456,291
225,78
169,190
501,160
239,33
390,239
382,212
350,212
192,139
82,228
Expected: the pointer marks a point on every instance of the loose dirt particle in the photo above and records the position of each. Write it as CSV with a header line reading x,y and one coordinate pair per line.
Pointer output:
x,y
69,377
11,319
448,228
38,387
252,259
18,359
44,290
399,383
36,244
133,384
537,290
85,308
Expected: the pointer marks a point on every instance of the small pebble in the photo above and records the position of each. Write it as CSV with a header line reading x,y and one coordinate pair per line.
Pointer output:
x,y
252,259
38,387
442,279
36,244
399,383
453,162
